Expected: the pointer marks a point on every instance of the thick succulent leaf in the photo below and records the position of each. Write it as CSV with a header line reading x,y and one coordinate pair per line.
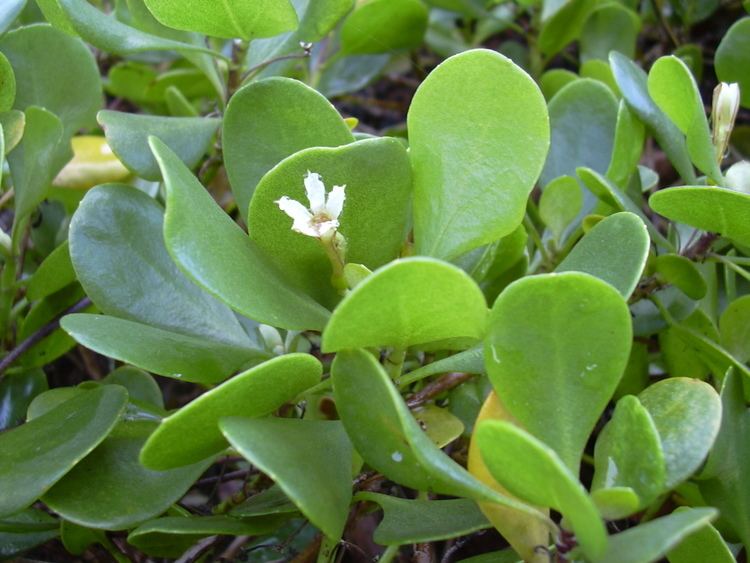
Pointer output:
x,y
560,340
704,544
244,19
214,251
377,176
38,453
110,489
383,26
192,433
733,58
414,521
474,161
172,354
534,472
127,135
269,120
321,486
651,541
687,415
717,210
614,251
405,303
119,255
49,65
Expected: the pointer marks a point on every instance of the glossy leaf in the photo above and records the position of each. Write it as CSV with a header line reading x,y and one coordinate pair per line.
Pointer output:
x,y
725,484
687,415
38,453
7,84
192,433
119,255
558,339
522,532
674,89
49,64
257,113
16,393
681,272
13,123
383,26
628,453
583,116
534,472
716,210
387,436
244,19
564,26
321,486
172,354
140,385
652,540
26,529
628,146
474,162
434,300
704,544
377,176
110,489
561,201
610,27
210,248
414,521
632,82
468,361
734,326
128,133
733,58
615,251
53,274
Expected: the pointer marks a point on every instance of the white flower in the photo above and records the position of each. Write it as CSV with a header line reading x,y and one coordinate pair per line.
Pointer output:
x,y
323,215
726,103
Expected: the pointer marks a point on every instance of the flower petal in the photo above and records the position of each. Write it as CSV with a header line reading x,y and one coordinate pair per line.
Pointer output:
x,y
294,209
316,192
335,203
326,226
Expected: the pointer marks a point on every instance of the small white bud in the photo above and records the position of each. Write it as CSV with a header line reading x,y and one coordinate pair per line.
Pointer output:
x,y
738,176
726,103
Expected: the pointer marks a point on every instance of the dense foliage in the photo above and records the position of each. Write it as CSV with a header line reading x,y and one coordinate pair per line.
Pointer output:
x,y
426,280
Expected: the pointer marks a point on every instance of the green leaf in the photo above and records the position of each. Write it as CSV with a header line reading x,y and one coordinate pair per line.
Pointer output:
x,y
557,346
377,176
687,415
652,540
9,11
210,248
117,250
127,135
170,536
40,452
628,146
244,19
674,89
610,27
13,123
632,82
110,35
384,26
415,521
49,66
534,472
192,433
52,275
36,160
7,84
717,210
583,116
554,80
732,59
269,501
681,272
321,17
462,138
256,115
390,440
111,490
616,502
725,484
614,251
561,201
564,26
705,544
681,355
406,303
628,454
734,326
140,385
16,393
172,354
26,529
321,485
468,361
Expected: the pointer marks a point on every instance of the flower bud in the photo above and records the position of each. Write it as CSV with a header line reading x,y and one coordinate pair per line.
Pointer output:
x,y
726,103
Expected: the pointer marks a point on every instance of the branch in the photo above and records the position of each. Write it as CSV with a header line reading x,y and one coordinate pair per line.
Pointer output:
x,y
445,383
40,335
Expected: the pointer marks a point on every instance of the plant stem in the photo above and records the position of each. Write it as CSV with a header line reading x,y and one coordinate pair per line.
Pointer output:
x,y
394,362
389,554
534,234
